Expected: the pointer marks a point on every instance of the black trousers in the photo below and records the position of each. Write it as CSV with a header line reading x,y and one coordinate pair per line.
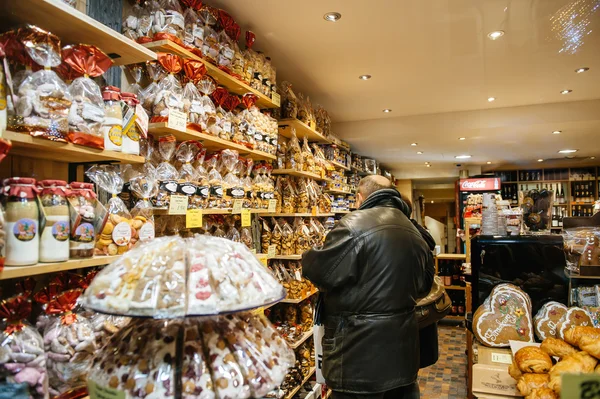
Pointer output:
x,y
407,392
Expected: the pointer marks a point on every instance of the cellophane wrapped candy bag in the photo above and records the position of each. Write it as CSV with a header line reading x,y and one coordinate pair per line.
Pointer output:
x,y
43,102
86,114
170,92
145,186
166,173
192,99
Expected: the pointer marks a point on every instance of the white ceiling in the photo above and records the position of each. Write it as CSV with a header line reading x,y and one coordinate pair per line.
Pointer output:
x,y
434,66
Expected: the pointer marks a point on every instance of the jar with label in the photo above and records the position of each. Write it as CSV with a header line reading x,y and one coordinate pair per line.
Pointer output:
x,y
22,222
83,215
54,243
112,127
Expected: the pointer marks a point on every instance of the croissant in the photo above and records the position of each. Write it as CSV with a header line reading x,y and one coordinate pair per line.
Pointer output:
x,y
557,347
573,335
591,345
580,362
542,393
531,359
514,371
528,382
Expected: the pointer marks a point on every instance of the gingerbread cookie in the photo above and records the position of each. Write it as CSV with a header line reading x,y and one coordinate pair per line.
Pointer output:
x,y
574,317
547,318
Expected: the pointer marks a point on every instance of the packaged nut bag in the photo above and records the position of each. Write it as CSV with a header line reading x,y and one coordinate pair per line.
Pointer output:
x,y
21,65
86,218
245,121
233,189
222,127
249,56
265,238
22,359
210,46
137,25
186,152
294,155
246,165
276,236
156,73
192,99
170,92
207,86
289,101
166,173
144,186
230,105
117,233
168,21
87,109
303,239
44,101
288,238
70,345
215,179
201,198
194,25
308,159
289,197
302,200
136,71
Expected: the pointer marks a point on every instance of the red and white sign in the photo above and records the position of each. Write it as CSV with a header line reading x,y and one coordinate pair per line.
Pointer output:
x,y
482,184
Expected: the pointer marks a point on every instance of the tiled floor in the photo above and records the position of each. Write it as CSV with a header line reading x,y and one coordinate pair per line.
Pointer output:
x,y
447,378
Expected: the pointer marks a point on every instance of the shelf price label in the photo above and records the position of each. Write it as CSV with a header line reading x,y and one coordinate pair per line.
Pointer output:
x,y
237,206
178,205
272,252
262,258
193,218
246,219
177,120
272,206
315,210
276,98
580,386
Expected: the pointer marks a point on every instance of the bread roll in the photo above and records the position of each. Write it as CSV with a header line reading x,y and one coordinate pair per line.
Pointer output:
x,y
591,345
557,347
543,393
531,359
574,317
528,382
513,371
573,335
580,362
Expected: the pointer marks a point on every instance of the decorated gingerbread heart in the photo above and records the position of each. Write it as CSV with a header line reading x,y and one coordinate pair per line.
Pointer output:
x,y
573,317
547,318
504,316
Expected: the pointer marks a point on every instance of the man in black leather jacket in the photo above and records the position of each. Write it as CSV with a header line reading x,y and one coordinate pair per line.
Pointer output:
x,y
371,270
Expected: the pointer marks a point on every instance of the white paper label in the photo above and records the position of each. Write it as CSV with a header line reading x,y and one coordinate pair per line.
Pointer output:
x,y
197,107
177,120
227,126
141,120
198,32
276,98
121,234
175,18
228,53
298,275
146,233
251,130
502,358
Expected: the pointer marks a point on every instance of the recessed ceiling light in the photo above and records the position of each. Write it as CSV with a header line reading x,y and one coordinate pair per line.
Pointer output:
x,y
490,99
566,91
557,132
496,34
592,157
567,151
462,138
489,162
413,144
582,70
387,110
419,152
462,157
428,165
364,77
432,201
332,16
540,160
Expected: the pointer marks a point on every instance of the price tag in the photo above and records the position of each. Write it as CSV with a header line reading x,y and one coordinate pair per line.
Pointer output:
x,y
246,219
505,358
272,252
193,218
263,259
315,210
237,206
99,392
298,275
276,98
580,386
312,125
177,120
141,120
178,205
272,206
258,312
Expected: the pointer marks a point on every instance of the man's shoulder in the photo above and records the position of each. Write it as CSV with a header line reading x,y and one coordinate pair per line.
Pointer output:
x,y
363,220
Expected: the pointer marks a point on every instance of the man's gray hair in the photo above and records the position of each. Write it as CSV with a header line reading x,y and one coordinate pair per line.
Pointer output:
x,y
368,185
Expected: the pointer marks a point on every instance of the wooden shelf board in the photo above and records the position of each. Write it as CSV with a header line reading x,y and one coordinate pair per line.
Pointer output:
x,y
42,268
581,204
223,78
457,318
287,257
576,276
338,192
342,212
455,287
356,170
209,141
339,165
294,215
39,148
302,339
302,130
297,173
165,211
73,26
304,381
451,256
299,299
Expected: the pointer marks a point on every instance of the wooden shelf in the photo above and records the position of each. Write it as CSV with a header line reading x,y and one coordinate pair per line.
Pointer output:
x,y
581,204
338,192
455,318
299,299
341,212
216,211
302,339
339,165
287,257
455,287
73,26
209,141
223,78
42,268
33,147
356,170
451,256
302,130
297,173
295,215
304,381
578,277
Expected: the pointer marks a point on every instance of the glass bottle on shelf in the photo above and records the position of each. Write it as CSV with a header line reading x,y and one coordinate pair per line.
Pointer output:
x,y
455,274
447,276
560,217
461,306
554,217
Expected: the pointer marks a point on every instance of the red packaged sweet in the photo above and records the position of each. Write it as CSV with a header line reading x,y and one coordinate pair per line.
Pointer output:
x,y
192,99
169,95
